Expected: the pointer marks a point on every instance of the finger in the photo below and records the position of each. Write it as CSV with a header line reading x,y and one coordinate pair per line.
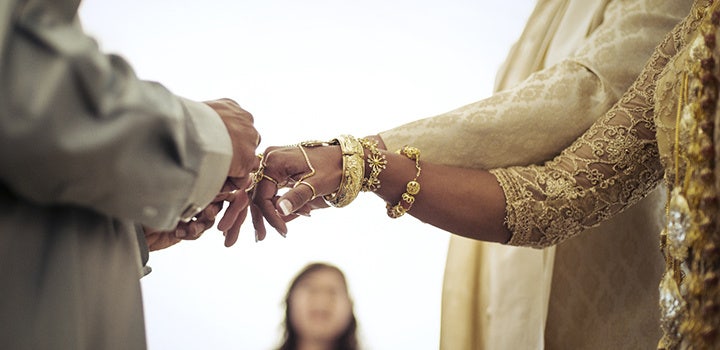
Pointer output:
x,y
241,183
258,222
294,199
318,203
293,216
234,232
151,239
239,203
161,241
226,191
205,220
195,230
303,211
204,225
181,230
290,217
264,196
211,211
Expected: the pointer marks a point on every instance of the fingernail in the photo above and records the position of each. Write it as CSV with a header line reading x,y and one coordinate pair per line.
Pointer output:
x,y
303,214
283,234
180,233
285,207
256,236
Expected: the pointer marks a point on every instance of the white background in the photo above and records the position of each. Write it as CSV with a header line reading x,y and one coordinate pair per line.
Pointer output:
x,y
309,70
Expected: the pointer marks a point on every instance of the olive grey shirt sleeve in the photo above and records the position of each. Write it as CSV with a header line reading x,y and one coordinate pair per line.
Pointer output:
x,y
77,127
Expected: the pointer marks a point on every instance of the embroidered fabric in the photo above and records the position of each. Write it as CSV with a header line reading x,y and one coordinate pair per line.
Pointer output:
x,y
611,166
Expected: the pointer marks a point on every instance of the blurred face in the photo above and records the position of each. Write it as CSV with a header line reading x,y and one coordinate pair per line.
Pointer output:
x,y
320,308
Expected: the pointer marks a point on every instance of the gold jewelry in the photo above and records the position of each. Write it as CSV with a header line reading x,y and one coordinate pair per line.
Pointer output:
x,y
377,163
271,180
689,291
307,161
312,188
411,189
316,143
257,175
352,174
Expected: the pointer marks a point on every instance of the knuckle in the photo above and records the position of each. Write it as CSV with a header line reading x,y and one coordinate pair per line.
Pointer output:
x,y
229,101
249,116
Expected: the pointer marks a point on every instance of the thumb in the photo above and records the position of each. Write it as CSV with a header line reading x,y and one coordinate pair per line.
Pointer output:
x,y
295,198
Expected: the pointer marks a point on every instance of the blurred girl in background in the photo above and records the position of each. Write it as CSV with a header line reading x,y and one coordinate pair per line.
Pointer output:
x,y
319,312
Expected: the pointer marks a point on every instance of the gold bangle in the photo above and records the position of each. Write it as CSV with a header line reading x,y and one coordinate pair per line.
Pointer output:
x,y
353,172
411,189
376,161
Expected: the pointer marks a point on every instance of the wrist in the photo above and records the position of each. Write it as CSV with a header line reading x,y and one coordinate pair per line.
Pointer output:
x,y
353,171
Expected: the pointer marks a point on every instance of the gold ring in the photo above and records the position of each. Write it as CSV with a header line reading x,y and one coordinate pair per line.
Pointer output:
x,y
312,188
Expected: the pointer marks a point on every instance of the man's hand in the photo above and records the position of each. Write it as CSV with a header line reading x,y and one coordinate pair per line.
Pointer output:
x,y
191,230
245,139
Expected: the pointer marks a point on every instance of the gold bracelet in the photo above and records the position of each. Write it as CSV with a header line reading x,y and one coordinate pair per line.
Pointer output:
x,y
411,189
377,163
352,174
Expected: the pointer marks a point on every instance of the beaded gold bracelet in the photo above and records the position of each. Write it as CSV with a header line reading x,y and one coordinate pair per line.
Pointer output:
x,y
376,161
411,189
352,174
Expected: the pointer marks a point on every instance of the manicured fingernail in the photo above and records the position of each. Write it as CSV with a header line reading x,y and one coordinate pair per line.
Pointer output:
x,y
285,207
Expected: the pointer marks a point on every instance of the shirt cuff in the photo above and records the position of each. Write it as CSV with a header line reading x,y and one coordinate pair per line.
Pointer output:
x,y
213,163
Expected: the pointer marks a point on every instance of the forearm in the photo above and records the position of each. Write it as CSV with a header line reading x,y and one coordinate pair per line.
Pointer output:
x,y
465,202
591,181
609,168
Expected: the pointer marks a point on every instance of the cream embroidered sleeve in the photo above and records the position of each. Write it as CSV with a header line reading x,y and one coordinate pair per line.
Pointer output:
x,y
610,167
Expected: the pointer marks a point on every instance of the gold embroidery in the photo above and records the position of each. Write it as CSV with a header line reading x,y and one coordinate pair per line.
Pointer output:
x,y
618,161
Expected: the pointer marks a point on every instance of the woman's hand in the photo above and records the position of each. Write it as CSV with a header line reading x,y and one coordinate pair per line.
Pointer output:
x,y
310,171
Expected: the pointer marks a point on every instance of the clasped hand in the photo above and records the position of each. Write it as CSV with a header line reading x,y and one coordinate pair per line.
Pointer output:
x,y
307,171
245,139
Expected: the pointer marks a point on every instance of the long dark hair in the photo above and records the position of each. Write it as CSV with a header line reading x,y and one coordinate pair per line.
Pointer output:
x,y
346,341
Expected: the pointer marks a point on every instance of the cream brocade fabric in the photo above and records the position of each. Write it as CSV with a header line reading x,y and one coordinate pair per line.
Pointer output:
x,y
604,287
610,167
618,161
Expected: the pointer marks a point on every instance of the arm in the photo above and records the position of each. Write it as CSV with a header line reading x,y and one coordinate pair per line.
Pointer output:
x,y
563,100
611,166
77,127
